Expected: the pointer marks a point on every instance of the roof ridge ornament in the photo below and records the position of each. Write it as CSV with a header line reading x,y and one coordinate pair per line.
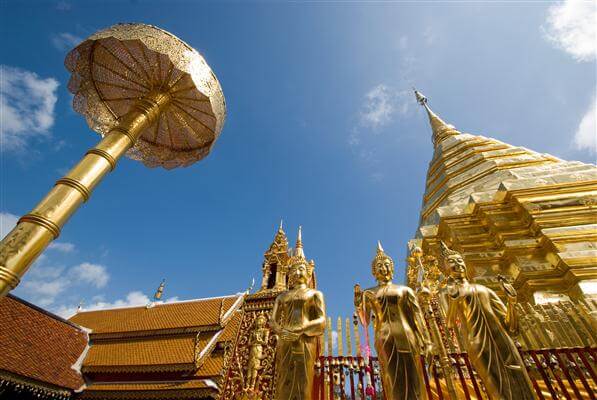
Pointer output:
x,y
441,130
160,291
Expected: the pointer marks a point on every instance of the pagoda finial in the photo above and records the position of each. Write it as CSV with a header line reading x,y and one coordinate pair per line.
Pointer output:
x,y
299,253
281,227
441,130
299,238
158,293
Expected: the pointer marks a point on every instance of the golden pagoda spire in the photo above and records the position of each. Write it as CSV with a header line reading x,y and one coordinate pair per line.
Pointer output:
x,y
441,130
299,253
279,245
160,291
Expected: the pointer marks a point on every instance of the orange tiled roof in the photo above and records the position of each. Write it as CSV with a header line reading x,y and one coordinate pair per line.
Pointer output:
x,y
173,385
212,366
231,328
184,314
39,345
150,390
163,350
142,351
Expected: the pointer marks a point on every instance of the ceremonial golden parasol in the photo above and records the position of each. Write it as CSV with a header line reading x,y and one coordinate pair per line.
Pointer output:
x,y
150,96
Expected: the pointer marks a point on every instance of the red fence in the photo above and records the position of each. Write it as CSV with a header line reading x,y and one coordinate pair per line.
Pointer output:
x,y
567,373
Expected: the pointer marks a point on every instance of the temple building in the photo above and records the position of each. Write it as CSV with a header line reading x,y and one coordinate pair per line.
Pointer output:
x,y
172,350
40,353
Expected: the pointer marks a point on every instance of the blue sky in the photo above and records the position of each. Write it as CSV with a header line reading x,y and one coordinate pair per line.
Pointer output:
x,y
322,131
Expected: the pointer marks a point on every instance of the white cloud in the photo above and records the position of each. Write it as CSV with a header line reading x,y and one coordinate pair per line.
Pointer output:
x,y
381,104
135,298
44,292
63,6
65,311
334,340
132,299
26,106
40,271
7,222
63,247
585,137
65,41
429,36
402,42
46,283
93,274
571,26
377,108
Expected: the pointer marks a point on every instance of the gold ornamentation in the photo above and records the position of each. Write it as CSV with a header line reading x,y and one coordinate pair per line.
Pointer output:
x,y
118,65
482,318
237,360
400,332
258,342
275,266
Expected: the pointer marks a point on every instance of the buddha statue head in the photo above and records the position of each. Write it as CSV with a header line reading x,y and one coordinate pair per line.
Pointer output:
x,y
299,273
453,261
382,266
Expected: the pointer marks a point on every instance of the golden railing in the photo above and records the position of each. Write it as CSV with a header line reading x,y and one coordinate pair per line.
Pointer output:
x,y
566,373
562,368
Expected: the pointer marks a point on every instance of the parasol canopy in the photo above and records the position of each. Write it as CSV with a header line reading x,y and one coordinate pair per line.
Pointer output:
x,y
115,67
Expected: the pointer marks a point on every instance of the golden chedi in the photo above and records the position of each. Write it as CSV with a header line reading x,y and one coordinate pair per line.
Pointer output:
x,y
482,318
400,332
298,319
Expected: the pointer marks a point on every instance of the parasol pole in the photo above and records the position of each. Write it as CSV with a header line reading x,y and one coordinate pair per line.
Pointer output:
x,y
35,230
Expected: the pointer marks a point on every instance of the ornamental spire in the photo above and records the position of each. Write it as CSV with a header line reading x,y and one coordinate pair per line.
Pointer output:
x,y
441,130
158,294
299,243
298,255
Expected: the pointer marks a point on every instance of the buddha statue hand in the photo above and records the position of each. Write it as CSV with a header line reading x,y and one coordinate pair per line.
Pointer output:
x,y
428,353
358,295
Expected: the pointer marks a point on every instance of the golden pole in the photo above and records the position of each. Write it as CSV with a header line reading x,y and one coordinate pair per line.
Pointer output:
x,y
340,337
36,230
446,364
348,341
357,337
330,345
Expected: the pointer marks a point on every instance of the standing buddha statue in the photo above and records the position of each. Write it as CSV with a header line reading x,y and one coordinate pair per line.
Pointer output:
x,y
400,332
482,318
298,319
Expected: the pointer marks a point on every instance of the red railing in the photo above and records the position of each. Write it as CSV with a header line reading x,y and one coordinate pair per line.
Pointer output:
x,y
566,373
